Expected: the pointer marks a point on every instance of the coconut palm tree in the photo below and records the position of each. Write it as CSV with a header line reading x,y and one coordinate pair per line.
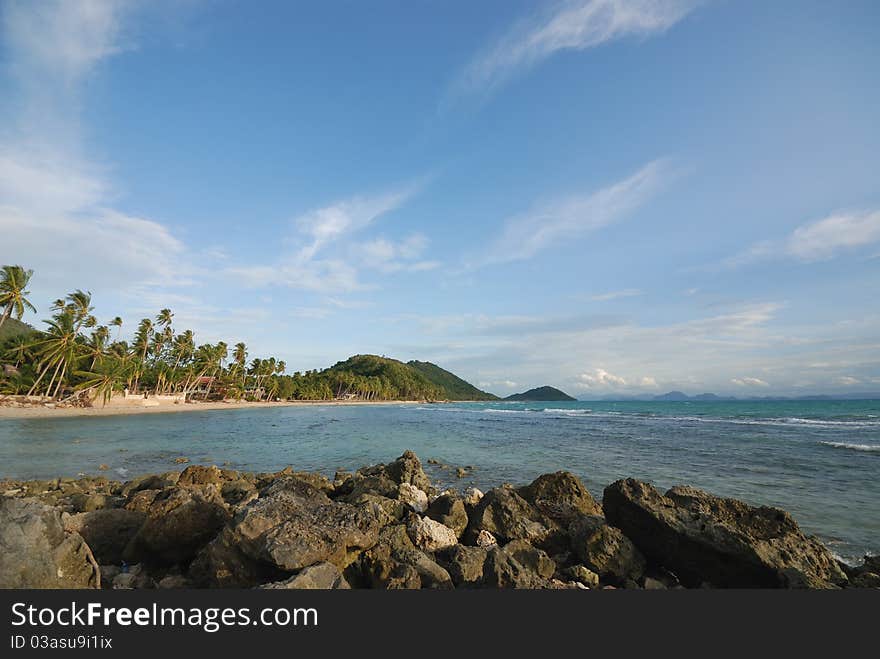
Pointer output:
x,y
13,281
96,346
117,323
58,348
80,303
110,377
141,345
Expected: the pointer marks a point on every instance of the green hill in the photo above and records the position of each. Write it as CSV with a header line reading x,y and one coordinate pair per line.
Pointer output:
x,y
12,327
542,394
380,378
454,387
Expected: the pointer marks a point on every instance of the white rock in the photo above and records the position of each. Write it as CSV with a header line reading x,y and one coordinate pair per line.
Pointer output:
x,y
472,496
486,539
430,535
413,497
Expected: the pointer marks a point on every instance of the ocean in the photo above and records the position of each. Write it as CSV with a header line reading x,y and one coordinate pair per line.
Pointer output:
x,y
820,460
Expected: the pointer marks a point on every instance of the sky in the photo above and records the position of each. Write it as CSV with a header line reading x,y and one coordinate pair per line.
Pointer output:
x,y
613,197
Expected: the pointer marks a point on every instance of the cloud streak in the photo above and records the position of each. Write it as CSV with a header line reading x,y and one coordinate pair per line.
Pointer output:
x,y
821,240
558,221
569,25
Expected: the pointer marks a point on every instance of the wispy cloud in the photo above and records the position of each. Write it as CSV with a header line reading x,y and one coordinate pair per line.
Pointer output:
x,y
565,219
600,378
567,25
324,255
817,241
749,382
614,295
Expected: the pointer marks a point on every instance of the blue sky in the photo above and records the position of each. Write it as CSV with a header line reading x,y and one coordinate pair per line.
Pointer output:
x,y
608,196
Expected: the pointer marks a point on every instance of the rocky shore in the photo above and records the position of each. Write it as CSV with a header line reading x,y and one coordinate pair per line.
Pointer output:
x,y
386,526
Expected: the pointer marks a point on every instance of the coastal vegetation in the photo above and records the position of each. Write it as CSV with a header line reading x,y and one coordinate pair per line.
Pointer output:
x,y
77,358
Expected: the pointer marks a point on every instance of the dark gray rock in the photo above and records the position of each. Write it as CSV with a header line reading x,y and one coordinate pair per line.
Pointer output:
x,y
725,542
36,551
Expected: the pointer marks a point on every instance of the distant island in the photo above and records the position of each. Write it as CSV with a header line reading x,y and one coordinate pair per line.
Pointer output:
x,y
679,396
541,394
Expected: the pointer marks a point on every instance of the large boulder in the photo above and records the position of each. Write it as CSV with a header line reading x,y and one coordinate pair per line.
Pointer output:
x,y
507,516
179,523
723,542
430,535
107,532
465,565
386,480
36,551
561,496
323,576
503,570
449,510
605,550
395,563
294,525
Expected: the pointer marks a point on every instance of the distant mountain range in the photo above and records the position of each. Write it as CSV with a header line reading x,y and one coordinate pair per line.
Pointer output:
x,y
681,396
541,394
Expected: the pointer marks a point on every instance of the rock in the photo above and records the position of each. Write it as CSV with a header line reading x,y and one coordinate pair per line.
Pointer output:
x,y
584,575
150,482
103,467
179,523
653,584
107,532
142,500
238,492
534,560
323,576
134,577
560,496
449,510
408,469
430,535
507,516
181,460
200,475
465,565
728,543
485,539
108,574
472,496
294,525
173,582
502,570
413,497
387,511
605,550
460,472
394,562
38,553
867,580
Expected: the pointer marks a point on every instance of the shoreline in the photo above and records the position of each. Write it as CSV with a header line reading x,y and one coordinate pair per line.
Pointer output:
x,y
122,409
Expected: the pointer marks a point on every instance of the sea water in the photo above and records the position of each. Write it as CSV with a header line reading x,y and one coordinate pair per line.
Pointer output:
x,y
820,460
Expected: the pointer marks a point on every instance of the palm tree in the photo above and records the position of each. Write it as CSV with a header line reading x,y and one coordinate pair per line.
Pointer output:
x,y
80,303
13,281
97,345
109,378
141,345
117,323
163,318
59,348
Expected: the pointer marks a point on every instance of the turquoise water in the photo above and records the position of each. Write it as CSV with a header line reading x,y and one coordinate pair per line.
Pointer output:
x,y
818,460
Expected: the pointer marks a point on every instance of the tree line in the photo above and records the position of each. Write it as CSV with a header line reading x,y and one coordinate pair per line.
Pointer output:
x,y
77,357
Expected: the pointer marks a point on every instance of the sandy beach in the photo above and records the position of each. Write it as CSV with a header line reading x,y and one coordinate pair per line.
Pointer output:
x,y
115,408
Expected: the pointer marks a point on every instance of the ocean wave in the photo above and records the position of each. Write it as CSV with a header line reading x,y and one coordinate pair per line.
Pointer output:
x,y
868,448
494,411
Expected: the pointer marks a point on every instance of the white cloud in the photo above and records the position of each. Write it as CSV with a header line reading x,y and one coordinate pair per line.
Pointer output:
x,y
817,241
824,239
331,223
647,381
847,381
525,235
749,382
569,25
388,256
613,295
599,377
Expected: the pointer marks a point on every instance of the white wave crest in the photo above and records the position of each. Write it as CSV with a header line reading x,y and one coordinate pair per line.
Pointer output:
x,y
869,448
